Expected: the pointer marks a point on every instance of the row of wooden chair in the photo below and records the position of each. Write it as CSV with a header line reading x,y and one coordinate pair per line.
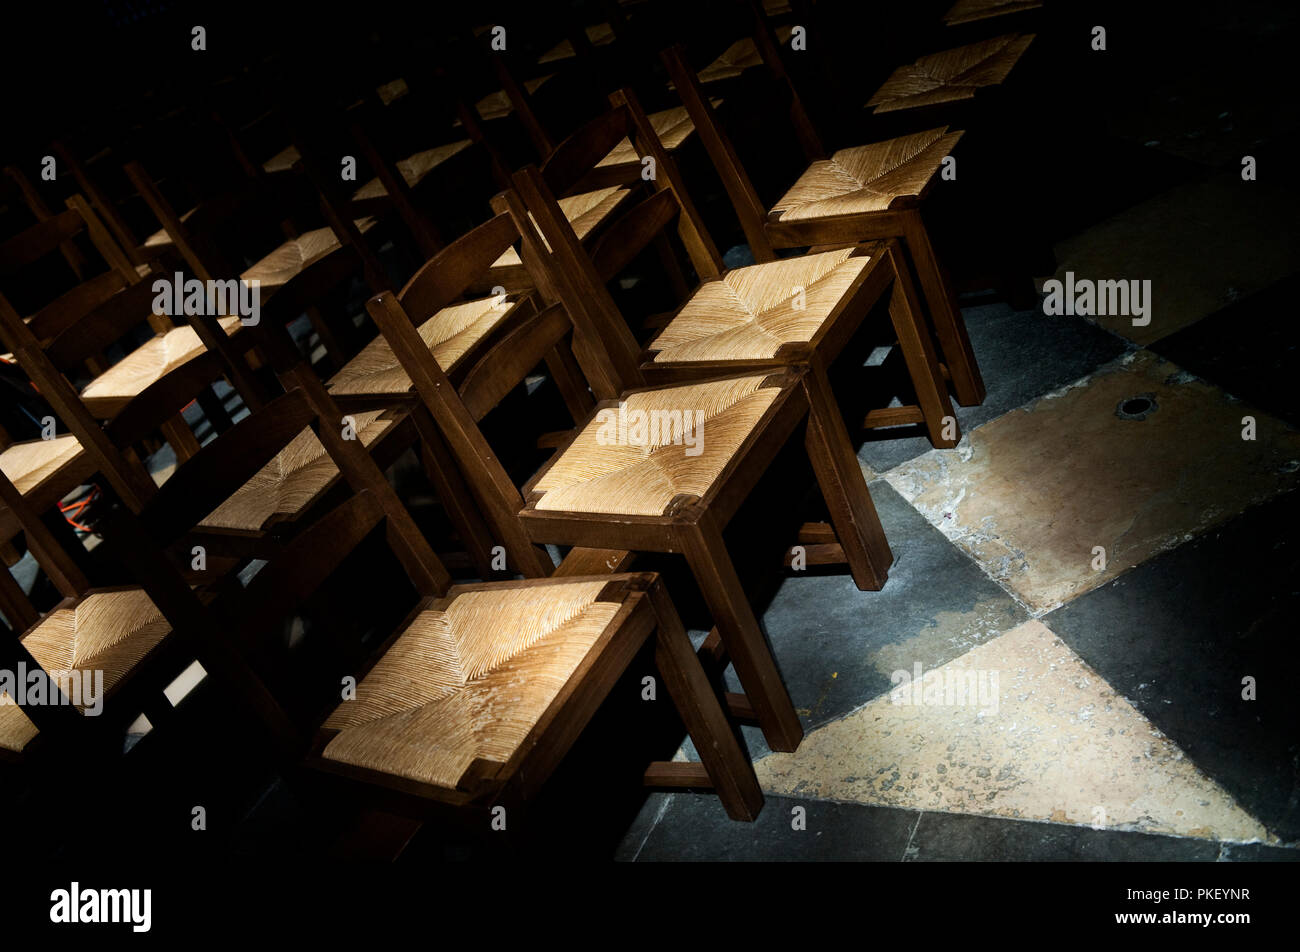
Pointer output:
x,y
466,696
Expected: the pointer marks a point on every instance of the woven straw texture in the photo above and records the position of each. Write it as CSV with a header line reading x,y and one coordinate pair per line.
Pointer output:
x,y
602,34
738,57
584,211
750,312
640,474
107,631
413,169
27,465
389,93
469,682
497,105
107,394
282,161
295,255
160,237
966,11
869,178
672,126
291,481
950,75
449,335
16,728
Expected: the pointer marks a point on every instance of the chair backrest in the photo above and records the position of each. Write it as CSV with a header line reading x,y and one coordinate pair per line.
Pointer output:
x,y
535,336
44,708
111,444
745,198
233,635
25,250
63,569
606,346
15,182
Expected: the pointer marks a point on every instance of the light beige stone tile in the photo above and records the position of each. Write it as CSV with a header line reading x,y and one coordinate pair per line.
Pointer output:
x,y
1030,494
1202,246
1057,745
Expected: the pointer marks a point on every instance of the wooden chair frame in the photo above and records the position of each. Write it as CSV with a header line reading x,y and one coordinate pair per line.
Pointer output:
x,y
587,276
309,561
903,222
693,528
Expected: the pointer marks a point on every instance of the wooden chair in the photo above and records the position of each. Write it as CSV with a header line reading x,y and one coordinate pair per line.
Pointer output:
x,y
622,165
871,192
609,499
17,185
950,76
794,312
476,695
245,207
965,12
112,205
71,335
113,309
257,516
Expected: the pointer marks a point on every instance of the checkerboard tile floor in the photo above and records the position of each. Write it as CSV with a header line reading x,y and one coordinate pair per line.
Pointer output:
x,y
1108,711
1131,705
1136,708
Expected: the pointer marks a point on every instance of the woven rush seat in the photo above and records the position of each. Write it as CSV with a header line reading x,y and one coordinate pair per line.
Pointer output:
x,y
449,334
601,34
672,126
413,169
109,631
585,212
497,105
282,161
390,92
296,254
868,178
470,681
29,464
160,237
738,57
603,472
968,11
751,312
290,482
107,394
951,75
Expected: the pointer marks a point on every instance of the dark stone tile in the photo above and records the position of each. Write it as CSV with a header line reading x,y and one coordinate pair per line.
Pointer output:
x,y
1022,355
837,646
1258,853
1176,636
697,829
1250,348
948,837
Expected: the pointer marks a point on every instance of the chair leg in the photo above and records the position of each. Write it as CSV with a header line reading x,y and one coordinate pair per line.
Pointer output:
x,y
450,488
214,410
14,604
839,474
967,384
730,769
734,617
918,353
181,438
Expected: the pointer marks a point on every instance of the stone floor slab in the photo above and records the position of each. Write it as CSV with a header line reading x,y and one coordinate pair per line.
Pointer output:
x,y
1048,740
1201,246
1022,355
1134,459
695,828
1178,635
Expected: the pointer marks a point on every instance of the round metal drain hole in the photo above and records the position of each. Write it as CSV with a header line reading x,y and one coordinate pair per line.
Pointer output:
x,y
1137,407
